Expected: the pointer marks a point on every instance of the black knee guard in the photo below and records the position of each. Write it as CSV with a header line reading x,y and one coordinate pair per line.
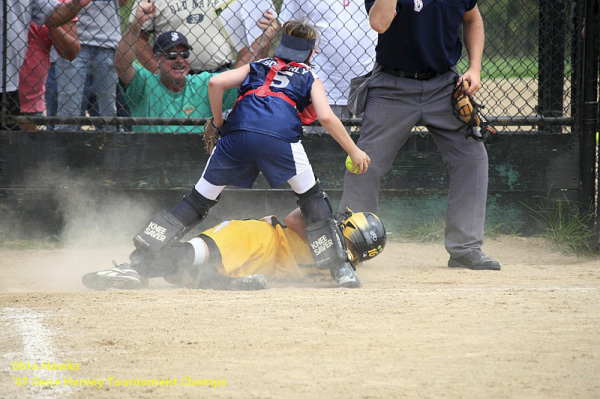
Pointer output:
x,y
166,227
315,205
162,230
325,238
327,244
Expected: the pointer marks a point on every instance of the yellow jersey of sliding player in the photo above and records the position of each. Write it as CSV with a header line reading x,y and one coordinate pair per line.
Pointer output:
x,y
263,246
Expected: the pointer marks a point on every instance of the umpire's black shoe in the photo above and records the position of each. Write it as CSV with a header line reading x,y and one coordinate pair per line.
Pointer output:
x,y
474,260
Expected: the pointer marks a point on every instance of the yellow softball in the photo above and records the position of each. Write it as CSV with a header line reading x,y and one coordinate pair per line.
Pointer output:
x,y
350,165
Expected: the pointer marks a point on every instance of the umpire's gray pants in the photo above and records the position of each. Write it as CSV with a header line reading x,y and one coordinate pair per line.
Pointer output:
x,y
394,106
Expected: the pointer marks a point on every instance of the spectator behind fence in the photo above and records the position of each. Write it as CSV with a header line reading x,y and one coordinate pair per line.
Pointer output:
x,y
418,48
19,16
34,71
99,33
346,49
51,89
89,104
172,92
211,50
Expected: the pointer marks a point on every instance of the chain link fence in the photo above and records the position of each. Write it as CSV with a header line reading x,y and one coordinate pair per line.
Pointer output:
x,y
68,78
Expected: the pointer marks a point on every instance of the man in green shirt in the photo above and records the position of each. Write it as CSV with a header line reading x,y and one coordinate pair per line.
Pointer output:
x,y
172,93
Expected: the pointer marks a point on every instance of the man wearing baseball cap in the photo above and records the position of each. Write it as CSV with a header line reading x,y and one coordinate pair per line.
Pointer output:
x,y
169,40
172,92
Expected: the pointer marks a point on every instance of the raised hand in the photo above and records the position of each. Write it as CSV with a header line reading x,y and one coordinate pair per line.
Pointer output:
x,y
268,24
145,12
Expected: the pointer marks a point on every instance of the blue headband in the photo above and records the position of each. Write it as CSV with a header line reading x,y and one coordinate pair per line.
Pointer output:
x,y
294,48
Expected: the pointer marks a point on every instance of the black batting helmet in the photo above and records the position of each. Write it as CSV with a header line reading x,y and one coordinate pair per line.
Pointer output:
x,y
366,233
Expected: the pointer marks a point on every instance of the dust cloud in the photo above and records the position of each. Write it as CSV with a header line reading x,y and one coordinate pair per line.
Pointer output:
x,y
95,226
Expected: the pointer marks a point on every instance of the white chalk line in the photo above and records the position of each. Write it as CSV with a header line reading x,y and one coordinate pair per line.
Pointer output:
x,y
37,345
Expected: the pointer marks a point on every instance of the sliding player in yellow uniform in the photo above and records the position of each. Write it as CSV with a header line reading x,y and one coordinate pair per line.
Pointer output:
x,y
244,255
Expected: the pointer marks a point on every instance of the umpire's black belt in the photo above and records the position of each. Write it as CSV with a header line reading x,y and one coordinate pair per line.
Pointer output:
x,y
410,75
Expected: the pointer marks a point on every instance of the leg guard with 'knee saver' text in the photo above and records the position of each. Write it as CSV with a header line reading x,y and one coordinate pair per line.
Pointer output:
x,y
326,244
163,229
167,227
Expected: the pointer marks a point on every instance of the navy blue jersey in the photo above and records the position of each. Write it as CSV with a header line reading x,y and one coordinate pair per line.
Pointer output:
x,y
423,36
270,115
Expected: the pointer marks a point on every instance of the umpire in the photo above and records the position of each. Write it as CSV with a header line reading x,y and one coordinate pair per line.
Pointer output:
x,y
417,51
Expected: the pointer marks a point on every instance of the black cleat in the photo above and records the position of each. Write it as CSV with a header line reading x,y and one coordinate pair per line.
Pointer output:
x,y
474,260
121,277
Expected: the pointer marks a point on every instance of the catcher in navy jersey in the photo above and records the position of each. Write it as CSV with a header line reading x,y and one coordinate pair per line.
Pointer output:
x,y
263,134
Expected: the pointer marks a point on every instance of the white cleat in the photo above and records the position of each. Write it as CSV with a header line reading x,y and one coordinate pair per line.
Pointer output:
x,y
346,277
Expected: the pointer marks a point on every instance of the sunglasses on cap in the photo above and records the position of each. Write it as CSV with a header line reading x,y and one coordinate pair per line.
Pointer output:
x,y
172,55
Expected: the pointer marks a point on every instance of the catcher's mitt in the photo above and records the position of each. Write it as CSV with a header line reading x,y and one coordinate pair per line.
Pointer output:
x,y
211,135
467,111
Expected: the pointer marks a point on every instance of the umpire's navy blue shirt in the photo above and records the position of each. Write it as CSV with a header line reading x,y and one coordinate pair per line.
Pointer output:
x,y
422,41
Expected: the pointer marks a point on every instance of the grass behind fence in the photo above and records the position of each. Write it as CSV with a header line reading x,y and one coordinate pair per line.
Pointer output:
x,y
509,67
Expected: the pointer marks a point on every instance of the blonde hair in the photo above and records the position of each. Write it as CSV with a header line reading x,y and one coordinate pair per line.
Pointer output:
x,y
302,30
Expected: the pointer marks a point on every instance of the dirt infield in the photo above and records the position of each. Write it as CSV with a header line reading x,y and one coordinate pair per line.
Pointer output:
x,y
417,329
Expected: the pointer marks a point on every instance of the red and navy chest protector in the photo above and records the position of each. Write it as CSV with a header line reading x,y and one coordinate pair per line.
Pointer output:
x,y
272,111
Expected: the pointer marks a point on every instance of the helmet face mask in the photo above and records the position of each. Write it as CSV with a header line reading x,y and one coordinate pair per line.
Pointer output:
x,y
366,233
